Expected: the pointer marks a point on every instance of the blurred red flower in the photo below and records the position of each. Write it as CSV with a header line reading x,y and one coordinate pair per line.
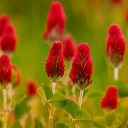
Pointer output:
x,y
4,19
110,100
115,46
8,43
82,67
69,47
56,20
55,62
31,87
5,70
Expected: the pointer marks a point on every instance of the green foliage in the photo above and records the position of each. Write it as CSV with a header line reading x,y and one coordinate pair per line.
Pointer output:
x,y
122,88
60,125
58,100
83,119
67,121
72,108
95,94
16,125
38,124
109,120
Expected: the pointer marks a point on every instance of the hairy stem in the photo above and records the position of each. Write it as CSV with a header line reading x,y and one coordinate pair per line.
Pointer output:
x,y
80,97
53,87
116,70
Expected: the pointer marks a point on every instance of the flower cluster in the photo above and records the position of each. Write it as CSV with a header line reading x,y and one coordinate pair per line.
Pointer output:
x,y
82,67
69,47
31,87
55,62
110,100
115,46
5,70
56,20
8,37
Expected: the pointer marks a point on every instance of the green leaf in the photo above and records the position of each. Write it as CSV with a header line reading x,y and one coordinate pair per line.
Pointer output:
x,y
45,92
116,123
38,124
58,100
110,118
60,125
16,125
72,108
95,94
28,122
18,99
67,121
99,122
123,91
84,119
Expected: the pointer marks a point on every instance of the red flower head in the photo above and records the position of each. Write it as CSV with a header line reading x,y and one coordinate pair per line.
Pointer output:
x,y
115,46
55,62
4,19
9,29
117,1
56,20
69,47
31,88
82,67
5,70
17,75
8,43
110,100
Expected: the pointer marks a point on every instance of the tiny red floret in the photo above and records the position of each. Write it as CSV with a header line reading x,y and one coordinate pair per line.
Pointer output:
x,y
55,62
117,1
5,70
56,20
110,100
82,67
69,47
4,19
115,46
31,88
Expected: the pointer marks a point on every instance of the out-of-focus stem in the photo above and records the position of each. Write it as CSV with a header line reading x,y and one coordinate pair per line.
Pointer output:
x,y
53,87
51,112
80,97
116,70
5,99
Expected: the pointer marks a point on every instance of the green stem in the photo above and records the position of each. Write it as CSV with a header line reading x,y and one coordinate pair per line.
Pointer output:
x,y
80,97
51,112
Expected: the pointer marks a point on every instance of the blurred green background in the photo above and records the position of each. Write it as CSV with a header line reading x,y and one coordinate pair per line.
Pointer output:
x,y
87,21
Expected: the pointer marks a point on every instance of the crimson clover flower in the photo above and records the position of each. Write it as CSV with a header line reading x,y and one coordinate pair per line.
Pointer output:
x,y
5,70
110,100
31,87
56,20
8,43
55,62
4,19
115,46
82,67
69,47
